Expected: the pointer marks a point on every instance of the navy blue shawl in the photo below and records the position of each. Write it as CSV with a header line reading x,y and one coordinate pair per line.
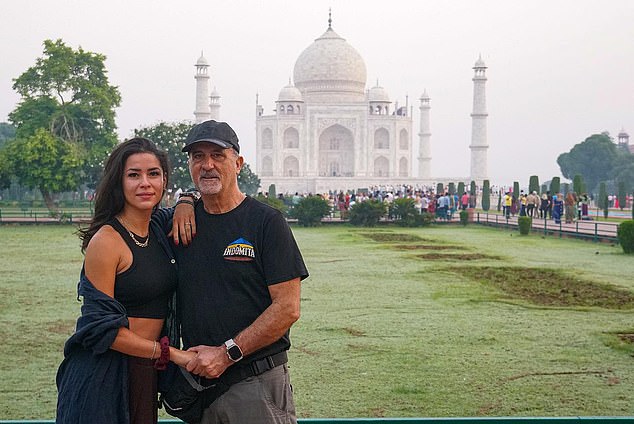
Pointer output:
x,y
92,381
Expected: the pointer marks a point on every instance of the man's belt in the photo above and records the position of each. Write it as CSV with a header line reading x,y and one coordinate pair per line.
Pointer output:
x,y
241,371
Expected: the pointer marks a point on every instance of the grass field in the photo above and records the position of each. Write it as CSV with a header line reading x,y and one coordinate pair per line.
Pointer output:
x,y
441,321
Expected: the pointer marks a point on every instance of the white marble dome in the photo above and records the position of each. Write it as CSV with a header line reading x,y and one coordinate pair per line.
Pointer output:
x,y
378,94
202,61
290,93
330,64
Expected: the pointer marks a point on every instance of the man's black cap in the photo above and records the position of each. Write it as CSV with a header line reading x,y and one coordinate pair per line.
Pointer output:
x,y
219,133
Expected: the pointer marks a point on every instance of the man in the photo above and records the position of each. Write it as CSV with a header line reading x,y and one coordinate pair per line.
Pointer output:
x,y
239,286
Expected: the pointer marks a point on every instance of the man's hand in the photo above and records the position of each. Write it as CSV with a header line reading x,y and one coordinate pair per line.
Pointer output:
x,y
183,224
210,361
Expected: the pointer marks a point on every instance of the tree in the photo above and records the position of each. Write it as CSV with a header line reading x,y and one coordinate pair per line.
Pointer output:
x,y
622,194
577,184
460,188
169,137
555,185
451,188
533,184
7,132
248,181
47,163
516,189
486,196
440,188
602,199
593,159
67,93
624,169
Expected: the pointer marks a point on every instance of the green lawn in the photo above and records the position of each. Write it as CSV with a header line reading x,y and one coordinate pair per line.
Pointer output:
x,y
407,328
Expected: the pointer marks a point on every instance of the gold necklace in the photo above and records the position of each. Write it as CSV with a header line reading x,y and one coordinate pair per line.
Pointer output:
x,y
137,242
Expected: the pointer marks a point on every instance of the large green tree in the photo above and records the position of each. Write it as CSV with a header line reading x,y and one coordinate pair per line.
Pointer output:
x,y
45,162
594,159
7,132
67,93
248,181
170,137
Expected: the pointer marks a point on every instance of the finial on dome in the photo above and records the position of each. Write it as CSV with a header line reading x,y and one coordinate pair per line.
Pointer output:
x,y
329,18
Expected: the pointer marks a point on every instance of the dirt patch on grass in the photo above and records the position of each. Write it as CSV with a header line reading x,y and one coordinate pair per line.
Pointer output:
x,y
456,256
392,237
354,332
627,337
429,247
550,287
61,327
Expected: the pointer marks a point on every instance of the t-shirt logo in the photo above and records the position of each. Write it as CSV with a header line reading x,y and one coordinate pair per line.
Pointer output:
x,y
239,250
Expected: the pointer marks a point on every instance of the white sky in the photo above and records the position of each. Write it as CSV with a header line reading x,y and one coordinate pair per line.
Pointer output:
x,y
558,70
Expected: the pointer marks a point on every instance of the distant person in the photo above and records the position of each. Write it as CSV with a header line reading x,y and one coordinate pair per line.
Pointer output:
x,y
508,202
557,208
570,203
464,201
108,373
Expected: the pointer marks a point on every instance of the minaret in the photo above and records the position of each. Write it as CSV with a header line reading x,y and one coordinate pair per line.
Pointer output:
x,y
214,105
479,146
424,150
202,112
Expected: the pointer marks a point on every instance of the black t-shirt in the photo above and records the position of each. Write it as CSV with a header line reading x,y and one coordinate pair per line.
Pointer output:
x,y
146,287
225,272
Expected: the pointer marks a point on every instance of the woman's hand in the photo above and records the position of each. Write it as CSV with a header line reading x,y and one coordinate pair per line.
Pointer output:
x,y
183,224
181,357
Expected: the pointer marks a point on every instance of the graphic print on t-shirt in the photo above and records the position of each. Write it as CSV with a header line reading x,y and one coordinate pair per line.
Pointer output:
x,y
239,250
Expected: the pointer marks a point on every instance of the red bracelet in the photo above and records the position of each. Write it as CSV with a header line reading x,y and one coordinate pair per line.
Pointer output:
x,y
163,360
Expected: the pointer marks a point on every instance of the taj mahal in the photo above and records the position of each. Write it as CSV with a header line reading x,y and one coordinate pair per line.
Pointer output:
x,y
328,131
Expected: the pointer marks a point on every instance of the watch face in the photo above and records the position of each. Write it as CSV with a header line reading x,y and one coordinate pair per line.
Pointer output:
x,y
234,352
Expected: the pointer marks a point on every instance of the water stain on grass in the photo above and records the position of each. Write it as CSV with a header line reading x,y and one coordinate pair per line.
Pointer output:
x,y
457,256
550,287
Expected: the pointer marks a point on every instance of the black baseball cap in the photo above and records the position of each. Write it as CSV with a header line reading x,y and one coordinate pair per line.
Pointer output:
x,y
219,133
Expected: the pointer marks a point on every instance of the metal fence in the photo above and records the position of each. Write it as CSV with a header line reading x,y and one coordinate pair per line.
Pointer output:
x,y
589,230
468,420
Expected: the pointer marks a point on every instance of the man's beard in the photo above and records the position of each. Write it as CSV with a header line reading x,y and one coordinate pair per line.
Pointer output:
x,y
208,185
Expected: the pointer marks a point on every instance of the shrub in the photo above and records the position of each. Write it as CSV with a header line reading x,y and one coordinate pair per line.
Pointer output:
x,y
310,210
524,222
625,234
464,217
404,211
272,202
367,214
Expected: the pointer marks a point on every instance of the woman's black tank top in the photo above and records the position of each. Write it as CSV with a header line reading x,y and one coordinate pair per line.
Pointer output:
x,y
145,288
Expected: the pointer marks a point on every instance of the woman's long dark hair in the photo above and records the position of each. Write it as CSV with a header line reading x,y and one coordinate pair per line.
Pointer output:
x,y
109,198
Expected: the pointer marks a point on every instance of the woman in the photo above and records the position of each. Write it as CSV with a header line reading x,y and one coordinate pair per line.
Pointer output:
x,y
558,207
129,274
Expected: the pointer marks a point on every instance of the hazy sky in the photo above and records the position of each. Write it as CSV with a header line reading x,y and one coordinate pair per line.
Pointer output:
x,y
558,71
